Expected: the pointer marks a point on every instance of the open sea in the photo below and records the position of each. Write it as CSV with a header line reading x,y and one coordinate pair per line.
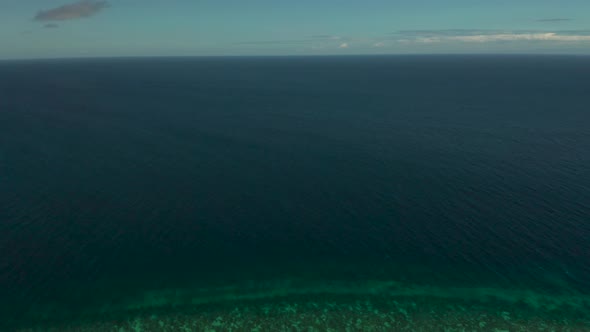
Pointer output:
x,y
357,193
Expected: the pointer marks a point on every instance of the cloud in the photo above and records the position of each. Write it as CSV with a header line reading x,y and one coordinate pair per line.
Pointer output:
x,y
548,36
454,32
406,39
276,42
485,36
554,20
315,42
80,9
51,26
327,37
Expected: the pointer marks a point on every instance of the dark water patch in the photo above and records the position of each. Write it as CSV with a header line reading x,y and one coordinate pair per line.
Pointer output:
x,y
126,175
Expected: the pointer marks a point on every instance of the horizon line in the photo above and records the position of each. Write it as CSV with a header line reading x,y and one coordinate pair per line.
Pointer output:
x,y
122,57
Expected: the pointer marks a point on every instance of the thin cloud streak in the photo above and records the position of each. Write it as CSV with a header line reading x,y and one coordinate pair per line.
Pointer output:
x,y
554,20
485,36
274,42
326,37
405,38
76,10
550,36
315,39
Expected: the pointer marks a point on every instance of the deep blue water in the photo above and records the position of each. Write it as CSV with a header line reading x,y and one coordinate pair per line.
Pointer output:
x,y
121,175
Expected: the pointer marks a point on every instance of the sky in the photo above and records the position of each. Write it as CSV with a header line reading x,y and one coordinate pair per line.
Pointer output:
x,y
96,28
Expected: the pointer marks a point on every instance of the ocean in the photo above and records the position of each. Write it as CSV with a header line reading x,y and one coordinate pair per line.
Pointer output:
x,y
358,193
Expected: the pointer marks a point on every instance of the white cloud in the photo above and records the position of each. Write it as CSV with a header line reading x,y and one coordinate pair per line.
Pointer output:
x,y
379,44
425,39
343,45
501,37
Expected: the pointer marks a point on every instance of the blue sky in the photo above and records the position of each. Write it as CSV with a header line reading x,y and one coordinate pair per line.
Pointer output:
x,y
66,28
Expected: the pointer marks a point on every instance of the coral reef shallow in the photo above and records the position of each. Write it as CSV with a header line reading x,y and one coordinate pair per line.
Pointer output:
x,y
368,306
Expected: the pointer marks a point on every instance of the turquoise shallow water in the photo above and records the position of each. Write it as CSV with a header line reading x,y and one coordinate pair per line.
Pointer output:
x,y
419,192
371,305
